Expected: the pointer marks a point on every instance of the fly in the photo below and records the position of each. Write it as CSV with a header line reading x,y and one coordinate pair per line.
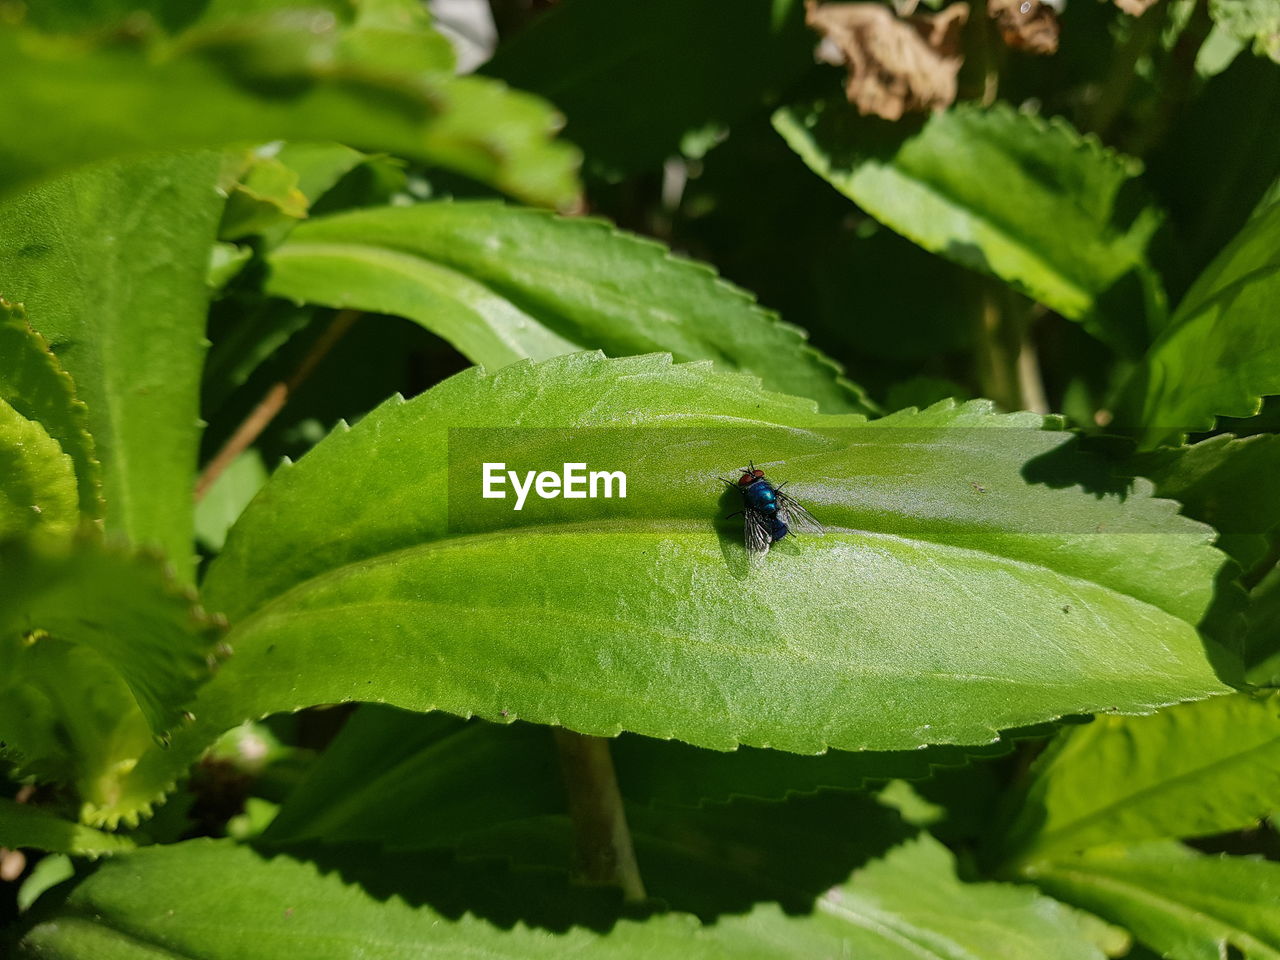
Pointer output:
x,y
769,514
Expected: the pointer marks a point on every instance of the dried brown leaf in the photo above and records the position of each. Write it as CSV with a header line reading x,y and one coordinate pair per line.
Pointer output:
x,y
896,64
1029,25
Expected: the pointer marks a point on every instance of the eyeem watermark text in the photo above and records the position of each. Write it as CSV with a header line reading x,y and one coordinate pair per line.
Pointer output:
x,y
572,483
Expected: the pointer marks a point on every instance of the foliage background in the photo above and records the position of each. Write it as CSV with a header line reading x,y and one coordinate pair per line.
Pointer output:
x,y
282,254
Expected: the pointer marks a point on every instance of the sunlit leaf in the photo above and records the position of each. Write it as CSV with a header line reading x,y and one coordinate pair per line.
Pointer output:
x,y
24,825
213,899
1220,353
111,264
503,284
34,384
1191,770
1186,905
1028,201
966,584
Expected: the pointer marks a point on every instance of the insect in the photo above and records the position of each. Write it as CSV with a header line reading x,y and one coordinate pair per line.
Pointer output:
x,y
769,513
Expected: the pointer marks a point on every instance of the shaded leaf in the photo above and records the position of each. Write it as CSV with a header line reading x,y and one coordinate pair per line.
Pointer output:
x,y
1031,202
643,614
295,73
1230,484
124,606
1262,636
1220,353
1187,905
37,480
1191,770
503,283
24,825
212,899
34,384
113,262
386,765
648,73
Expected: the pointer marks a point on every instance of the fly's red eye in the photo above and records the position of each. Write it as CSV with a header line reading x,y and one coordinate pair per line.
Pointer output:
x,y
746,478
758,474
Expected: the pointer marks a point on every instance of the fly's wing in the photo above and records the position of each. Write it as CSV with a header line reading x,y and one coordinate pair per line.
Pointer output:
x,y
757,532
797,517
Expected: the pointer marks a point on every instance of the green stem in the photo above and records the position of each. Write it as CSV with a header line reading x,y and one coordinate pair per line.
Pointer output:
x,y
1178,80
1115,91
604,852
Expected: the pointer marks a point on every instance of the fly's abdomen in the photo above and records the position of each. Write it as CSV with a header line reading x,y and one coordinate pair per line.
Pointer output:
x,y
777,528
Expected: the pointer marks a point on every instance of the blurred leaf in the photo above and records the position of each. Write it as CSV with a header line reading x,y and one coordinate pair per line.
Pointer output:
x,y
213,899
1262,638
24,825
645,74
112,261
386,765
644,613
1031,202
1253,21
504,284
124,606
228,497
1221,351
263,193
296,73
37,480
1186,905
226,260
34,384
1230,484
1216,164
1190,770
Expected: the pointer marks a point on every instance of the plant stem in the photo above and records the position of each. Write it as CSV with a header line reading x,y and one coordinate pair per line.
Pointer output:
x,y
605,855
1007,365
273,402
1178,80
1116,88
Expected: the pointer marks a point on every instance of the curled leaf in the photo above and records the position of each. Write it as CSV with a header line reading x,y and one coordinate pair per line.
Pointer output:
x,y
1026,24
896,64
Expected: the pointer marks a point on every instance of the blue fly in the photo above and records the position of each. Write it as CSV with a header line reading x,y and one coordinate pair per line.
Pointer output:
x,y
769,514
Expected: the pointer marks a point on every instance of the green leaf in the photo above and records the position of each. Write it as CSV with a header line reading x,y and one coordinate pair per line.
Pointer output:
x,y
37,480
1220,353
1191,770
650,76
1186,905
124,606
1228,483
1262,636
212,899
24,825
503,284
295,74
100,651
387,765
1252,21
895,630
112,261
1031,202
263,193
34,384
228,497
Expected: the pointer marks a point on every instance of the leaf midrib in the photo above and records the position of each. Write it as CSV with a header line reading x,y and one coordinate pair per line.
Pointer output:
x,y
1245,939
460,541
1051,839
